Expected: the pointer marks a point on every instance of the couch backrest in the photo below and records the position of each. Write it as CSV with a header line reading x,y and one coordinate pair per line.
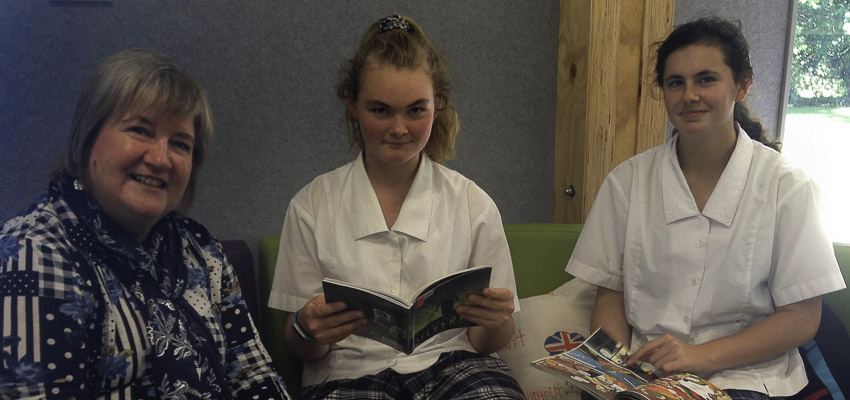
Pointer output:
x,y
287,364
239,255
540,253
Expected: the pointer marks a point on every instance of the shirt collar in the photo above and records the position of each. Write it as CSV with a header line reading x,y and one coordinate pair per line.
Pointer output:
x,y
723,203
414,219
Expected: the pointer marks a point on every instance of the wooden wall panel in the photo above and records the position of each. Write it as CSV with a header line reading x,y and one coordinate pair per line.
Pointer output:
x,y
652,116
570,120
606,108
628,80
602,97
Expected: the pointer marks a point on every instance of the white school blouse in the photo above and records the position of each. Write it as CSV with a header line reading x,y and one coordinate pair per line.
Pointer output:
x,y
334,228
758,244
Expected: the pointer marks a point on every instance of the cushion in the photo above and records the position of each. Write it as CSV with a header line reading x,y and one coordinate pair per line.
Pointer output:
x,y
549,324
827,360
239,255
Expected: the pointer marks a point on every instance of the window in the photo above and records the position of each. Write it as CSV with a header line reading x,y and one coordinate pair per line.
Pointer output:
x,y
817,124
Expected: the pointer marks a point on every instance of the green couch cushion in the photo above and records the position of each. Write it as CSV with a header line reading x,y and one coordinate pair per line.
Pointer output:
x,y
287,364
540,253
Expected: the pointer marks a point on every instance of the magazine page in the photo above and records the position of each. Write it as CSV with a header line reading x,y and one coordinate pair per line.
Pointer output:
x,y
431,311
601,347
590,377
598,367
476,272
335,289
682,386
434,310
388,321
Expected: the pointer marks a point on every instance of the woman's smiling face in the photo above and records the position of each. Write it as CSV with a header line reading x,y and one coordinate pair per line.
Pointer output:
x,y
139,167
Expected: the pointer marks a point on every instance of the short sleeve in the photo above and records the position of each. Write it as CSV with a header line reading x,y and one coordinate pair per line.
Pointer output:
x,y
298,276
489,244
804,264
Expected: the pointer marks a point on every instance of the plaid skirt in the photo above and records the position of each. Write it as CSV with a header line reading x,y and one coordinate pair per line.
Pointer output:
x,y
455,375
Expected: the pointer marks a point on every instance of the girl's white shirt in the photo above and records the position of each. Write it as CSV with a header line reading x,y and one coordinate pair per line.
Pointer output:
x,y
334,228
758,244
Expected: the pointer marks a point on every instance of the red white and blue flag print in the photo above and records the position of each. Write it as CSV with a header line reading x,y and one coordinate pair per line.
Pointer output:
x,y
562,341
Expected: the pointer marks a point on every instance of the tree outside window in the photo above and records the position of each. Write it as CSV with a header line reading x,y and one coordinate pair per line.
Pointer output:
x,y
817,124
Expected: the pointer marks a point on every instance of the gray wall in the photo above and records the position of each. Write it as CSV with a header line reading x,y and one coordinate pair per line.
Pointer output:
x,y
270,69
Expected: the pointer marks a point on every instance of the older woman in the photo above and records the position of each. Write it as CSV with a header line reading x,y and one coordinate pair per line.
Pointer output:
x,y
107,290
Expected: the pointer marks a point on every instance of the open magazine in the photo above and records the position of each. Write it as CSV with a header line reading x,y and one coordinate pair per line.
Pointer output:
x,y
404,324
598,367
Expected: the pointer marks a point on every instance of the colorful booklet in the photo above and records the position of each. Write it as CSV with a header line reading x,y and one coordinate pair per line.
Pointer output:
x,y
405,324
598,367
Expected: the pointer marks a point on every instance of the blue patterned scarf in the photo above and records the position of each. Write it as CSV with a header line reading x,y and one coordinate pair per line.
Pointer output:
x,y
186,364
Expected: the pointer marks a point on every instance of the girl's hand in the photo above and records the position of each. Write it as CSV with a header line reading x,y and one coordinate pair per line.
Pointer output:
x,y
328,322
669,354
492,309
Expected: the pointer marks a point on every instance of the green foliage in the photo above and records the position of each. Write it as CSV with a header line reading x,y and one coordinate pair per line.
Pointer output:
x,y
820,71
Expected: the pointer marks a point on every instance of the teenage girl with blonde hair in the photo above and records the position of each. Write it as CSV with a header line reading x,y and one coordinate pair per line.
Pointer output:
x,y
395,219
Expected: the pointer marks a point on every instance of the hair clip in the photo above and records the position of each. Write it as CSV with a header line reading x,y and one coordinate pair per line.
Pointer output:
x,y
393,22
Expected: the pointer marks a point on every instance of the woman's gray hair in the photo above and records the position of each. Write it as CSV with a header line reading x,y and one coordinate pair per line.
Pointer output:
x,y
136,81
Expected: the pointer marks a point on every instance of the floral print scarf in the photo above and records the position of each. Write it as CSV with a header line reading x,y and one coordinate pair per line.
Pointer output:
x,y
186,363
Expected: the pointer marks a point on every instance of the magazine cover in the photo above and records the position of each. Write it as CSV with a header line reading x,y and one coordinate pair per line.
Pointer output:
x,y
404,324
598,367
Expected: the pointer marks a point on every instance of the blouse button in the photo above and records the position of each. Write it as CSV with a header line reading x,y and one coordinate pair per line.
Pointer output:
x,y
698,243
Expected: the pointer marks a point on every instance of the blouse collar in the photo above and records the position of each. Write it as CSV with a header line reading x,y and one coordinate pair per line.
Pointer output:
x,y
414,219
679,203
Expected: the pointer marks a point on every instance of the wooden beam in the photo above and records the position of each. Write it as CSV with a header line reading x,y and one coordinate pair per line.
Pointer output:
x,y
571,104
652,116
629,52
607,107
602,61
